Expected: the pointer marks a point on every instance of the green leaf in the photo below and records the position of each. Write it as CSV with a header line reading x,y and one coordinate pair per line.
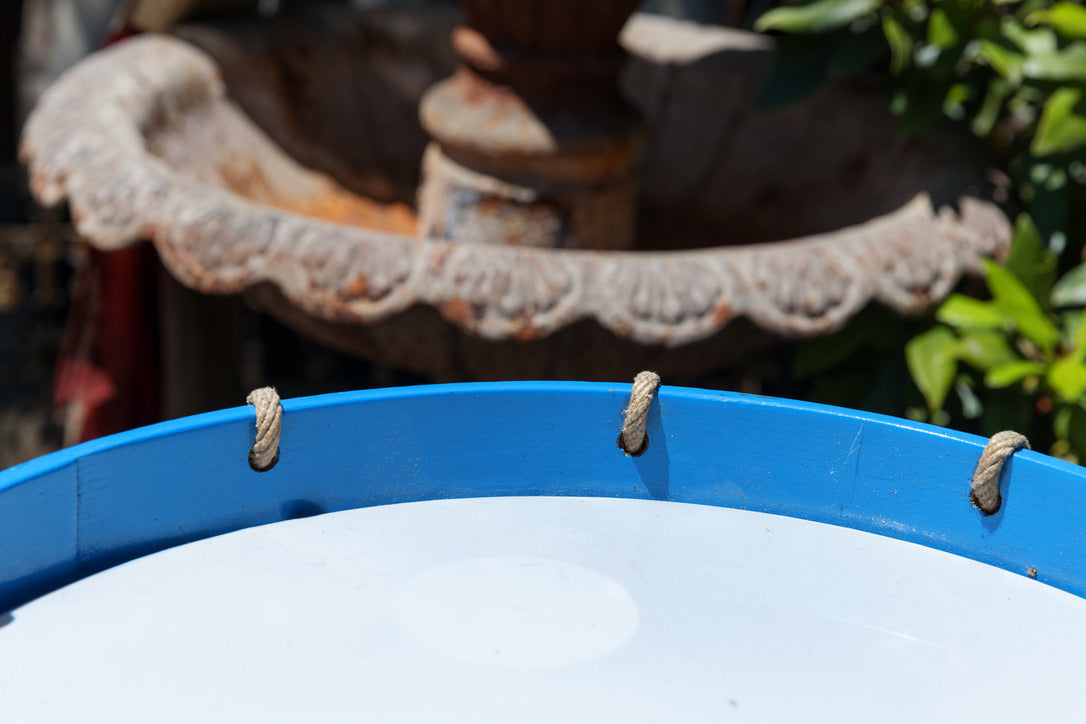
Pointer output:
x,y
1070,290
988,113
1014,299
1049,210
1004,61
1061,128
1078,330
1067,65
1067,377
932,361
1076,432
1061,422
1007,374
962,312
1027,251
954,103
901,45
1068,18
1030,259
985,350
815,17
1074,331
915,10
1031,42
941,32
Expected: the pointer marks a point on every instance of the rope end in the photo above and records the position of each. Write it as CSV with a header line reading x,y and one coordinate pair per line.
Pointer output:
x,y
633,440
269,422
985,493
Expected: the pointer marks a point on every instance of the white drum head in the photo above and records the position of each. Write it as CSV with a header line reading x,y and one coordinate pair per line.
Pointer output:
x,y
546,610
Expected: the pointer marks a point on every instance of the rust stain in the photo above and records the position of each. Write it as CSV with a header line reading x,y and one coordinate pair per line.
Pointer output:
x,y
332,203
345,208
526,329
491,206
722,314
457,311
357,288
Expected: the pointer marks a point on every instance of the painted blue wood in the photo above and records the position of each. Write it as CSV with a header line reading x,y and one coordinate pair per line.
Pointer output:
x,y
37,529
95,505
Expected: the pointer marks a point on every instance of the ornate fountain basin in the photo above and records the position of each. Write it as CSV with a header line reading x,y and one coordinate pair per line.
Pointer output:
x,y
279,159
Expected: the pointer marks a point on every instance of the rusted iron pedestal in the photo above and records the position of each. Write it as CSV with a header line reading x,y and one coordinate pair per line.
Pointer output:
x,y
533,143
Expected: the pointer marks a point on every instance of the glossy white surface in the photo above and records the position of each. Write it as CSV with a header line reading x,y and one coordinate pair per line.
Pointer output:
x,y
546,609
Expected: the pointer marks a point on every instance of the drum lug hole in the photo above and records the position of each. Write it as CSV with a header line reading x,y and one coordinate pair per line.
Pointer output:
x,y
633,453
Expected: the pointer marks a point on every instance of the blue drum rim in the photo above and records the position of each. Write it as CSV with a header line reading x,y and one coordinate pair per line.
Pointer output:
x,y
92,506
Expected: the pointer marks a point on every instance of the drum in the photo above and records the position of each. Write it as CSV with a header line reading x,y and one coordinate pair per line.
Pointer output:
x,y
487,553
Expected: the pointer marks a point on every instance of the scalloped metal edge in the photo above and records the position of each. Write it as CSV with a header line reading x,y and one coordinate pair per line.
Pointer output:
x,y
87,147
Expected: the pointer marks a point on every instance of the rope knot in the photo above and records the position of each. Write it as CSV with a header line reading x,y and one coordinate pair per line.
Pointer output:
x,y
269,422
633,440
985,483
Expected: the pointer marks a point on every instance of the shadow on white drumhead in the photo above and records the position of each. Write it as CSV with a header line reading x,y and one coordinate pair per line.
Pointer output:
x,y
517,612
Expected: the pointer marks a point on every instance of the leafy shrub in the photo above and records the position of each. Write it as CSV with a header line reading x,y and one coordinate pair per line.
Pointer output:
x,y
1012,72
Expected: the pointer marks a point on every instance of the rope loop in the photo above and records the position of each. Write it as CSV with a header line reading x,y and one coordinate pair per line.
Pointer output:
x,y
269,423
1001,446
633,440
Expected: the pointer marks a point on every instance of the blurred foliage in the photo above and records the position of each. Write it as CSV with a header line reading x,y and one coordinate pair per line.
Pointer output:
x,y
1029,337
1012,72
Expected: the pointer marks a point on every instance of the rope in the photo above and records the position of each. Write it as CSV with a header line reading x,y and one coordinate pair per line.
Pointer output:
x,y
269,423
633,439
985,481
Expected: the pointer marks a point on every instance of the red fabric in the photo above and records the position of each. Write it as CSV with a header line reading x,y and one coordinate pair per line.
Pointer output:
x,y
116,35
107,376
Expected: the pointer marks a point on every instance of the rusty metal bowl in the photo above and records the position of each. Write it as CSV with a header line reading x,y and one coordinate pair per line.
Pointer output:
x,y
279,159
